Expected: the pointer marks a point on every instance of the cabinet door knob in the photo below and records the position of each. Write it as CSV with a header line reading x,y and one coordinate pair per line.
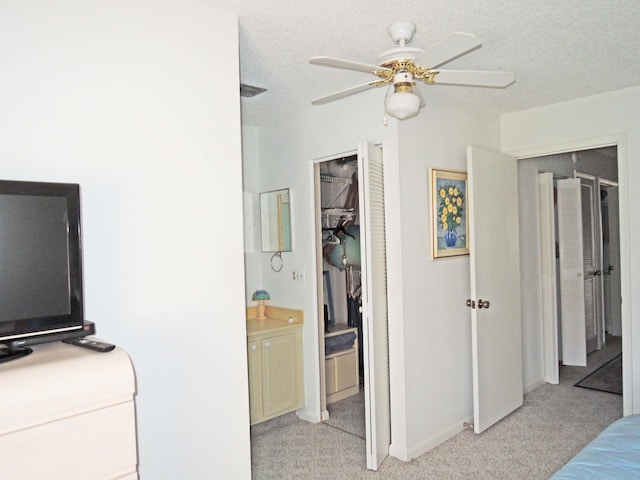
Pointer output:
x,y
254,347
267,344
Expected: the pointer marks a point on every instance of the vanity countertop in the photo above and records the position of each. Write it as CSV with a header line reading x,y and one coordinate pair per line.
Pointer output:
x,y
278,318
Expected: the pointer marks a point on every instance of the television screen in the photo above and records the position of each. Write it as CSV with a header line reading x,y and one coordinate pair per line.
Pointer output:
x,y
35,257
40,260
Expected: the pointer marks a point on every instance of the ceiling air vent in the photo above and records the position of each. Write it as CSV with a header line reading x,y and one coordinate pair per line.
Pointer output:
x,y
250,90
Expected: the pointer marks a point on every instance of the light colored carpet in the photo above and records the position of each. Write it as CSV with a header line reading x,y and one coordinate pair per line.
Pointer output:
x,y
554,423
348,415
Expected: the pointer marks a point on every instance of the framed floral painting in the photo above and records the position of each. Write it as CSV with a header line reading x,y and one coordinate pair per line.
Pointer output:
x,y
449,227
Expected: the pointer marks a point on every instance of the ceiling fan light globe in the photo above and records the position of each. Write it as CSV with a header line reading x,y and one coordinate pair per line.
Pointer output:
x,y
402,105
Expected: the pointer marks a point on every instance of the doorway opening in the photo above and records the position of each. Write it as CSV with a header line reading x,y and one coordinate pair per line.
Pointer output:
x,y
341,297
578,233
352,297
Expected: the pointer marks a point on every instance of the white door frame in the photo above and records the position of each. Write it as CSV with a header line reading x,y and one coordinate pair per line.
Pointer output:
x,y
619,141
614,233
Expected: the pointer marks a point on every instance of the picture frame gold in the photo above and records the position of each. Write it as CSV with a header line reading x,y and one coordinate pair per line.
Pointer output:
x,y
449,224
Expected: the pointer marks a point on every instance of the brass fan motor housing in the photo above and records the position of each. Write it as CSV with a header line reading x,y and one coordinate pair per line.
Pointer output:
x,y
425,74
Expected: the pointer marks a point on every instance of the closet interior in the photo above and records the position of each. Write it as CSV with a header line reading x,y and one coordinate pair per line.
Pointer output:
x,y
342,289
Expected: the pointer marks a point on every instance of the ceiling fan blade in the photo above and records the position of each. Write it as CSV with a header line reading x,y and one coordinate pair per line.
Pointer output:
x,y
450,47
344,93
475,78
346,64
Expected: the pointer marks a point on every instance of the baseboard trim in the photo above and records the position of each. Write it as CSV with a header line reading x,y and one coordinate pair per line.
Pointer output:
x,y
399,453
532,385
406,455
308,416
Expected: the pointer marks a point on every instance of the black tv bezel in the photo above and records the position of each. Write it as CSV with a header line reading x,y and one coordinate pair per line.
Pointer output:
x,y
31,331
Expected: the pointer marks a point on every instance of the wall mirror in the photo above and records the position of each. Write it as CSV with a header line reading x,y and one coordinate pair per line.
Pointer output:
x,y
275,220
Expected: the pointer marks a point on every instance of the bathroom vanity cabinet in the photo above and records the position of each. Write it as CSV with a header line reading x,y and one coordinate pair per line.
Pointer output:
x,y
274,349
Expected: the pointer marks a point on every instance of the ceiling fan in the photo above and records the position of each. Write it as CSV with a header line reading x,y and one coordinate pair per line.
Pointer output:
x,y
403,66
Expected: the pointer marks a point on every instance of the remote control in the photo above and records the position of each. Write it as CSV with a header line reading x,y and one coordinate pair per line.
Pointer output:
x,y
90,344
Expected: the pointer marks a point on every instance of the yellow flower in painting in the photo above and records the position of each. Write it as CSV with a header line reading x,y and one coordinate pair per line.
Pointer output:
x,y
451,206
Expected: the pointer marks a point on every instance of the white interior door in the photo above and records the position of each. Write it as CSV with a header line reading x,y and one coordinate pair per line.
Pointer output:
x,y
495,279
548,277
572,278
374,304
611,269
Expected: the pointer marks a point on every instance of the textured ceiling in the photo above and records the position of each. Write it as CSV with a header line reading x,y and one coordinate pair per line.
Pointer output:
x,y
559,49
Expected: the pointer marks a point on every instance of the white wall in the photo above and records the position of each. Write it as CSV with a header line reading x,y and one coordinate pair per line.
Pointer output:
x,y
251,198
437,323
287,151
124,97
429,325
599,120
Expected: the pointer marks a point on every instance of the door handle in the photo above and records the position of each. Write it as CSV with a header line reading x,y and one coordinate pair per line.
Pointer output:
x,y
596,273
481,303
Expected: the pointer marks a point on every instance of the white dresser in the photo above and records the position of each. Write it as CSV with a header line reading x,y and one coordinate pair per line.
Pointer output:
x,y
68,413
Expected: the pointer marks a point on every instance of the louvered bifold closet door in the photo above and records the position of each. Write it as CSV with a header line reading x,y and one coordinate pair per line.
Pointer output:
x,y
589,266
548,277
572,311
374,304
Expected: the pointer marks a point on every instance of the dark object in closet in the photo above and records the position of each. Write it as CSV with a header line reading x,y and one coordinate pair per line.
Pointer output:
x,y
330,315
340,231
354,318
326,319
338,343
353,307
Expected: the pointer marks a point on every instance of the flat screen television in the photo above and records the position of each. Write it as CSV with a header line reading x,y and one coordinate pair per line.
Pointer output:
x,y
41,296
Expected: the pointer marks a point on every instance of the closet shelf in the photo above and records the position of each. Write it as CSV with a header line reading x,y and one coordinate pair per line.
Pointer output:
x,y
331,216
331,179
